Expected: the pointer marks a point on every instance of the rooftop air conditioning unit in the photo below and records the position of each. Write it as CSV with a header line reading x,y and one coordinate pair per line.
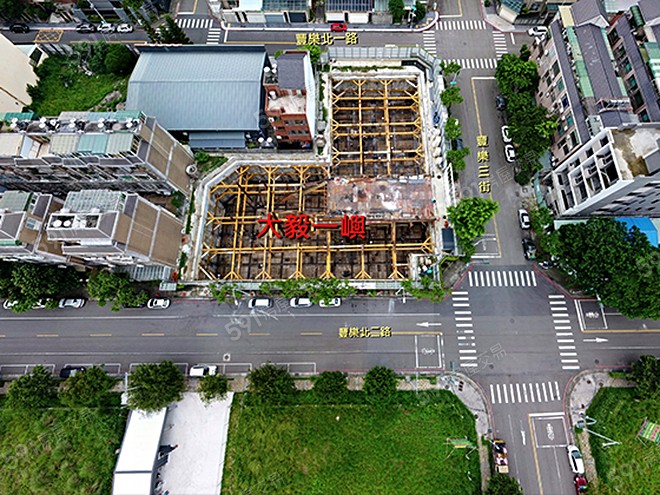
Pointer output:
x,y
271,119
191,170
272,95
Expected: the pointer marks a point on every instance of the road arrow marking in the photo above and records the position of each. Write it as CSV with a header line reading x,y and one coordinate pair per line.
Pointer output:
x,y
427,324
597,340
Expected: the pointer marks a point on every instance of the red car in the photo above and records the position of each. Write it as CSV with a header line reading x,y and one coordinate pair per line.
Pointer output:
x,y
338,27
580,484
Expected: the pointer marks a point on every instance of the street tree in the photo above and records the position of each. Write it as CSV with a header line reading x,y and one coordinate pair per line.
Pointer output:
x,y
89,389
636,293
213,387
449,68
11,9
453,129
119,60
420,11
646,373
314,53
171,33
37,389
27,283
503,484
271,384
153,386
220,292
331,387
396,9
106,286
515,75
450,96
469,218
457,158
380,385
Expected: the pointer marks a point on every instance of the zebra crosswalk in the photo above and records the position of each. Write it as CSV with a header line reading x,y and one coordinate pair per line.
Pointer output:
x,y
467,352
194,22
462,25
564,332
519,393
428,39
475,63
499,41
502,278
213,36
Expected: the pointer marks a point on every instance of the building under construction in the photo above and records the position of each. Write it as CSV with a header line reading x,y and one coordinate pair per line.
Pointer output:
x,y
360,216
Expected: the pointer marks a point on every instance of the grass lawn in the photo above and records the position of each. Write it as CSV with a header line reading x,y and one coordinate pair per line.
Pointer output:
x,y
59,451
63,86
352,449
632,467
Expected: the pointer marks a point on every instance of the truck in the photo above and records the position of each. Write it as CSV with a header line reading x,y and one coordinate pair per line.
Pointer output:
x,y
500,455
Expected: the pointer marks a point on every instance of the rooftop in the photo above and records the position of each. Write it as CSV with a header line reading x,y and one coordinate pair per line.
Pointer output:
x,y
99,200
291,70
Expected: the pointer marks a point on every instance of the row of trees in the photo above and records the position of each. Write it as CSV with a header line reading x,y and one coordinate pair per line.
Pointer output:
x,y
316,289
530,126
106,58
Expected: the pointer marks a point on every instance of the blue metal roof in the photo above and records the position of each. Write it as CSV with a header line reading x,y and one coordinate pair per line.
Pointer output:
x,y
644,224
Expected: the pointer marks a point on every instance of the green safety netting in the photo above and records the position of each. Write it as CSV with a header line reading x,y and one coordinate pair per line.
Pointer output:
x,y
650,431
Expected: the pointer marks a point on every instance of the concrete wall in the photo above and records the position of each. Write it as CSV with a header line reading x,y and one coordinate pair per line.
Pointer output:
x,y
17,73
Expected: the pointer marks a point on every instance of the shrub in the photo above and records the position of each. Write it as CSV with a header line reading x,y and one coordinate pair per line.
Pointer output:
x,y
331,387
213,387
380,385
271,385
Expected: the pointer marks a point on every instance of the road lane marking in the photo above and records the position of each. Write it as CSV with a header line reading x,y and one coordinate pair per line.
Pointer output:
x,y
506,395
206,334
153,335
513,397
423,332
460,293
311,333
518,390
47,335
564,328
556,296
462,312
524,389
536,459
564,334
570,367
100,335
259,334
499,396
492,394
545,394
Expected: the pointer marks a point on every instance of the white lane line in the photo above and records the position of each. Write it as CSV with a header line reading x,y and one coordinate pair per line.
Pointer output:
x,y
464,325
545,394
564,328
515,274
468,365
566,347
481,277
531,392
492,394
518,391
570,367
462,312
468,331
461,305
563,303
570,361
467,351
470,279
556,296
538,392
466,318
564,334
529,282
499,279
524,389
499,397
565,341
506,395
460,293
560,321
568,354
513,396
557,390
460,298
533,275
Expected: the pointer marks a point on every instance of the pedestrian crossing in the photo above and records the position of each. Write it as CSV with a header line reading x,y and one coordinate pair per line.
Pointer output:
x,y
499,41
475,63
213,36
194,22
520,393
429,42
462,25
563,332
467,352
502,278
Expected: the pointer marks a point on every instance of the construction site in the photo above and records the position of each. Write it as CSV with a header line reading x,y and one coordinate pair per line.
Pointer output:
x,y
367,213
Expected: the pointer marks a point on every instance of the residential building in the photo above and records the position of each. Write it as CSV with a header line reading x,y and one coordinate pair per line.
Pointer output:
x,y
616,174
22,236
269,12
113,228
124,151
18,72
578,78
291,102
212,96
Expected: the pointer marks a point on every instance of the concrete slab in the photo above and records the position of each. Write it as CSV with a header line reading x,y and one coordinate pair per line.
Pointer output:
x,y
195,466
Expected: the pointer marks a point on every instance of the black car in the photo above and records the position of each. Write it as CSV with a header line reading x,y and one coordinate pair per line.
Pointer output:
x,y
86,27
68,371
529,248
19,27
500,102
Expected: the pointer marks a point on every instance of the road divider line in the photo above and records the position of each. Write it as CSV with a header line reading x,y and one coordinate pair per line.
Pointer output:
x,y
46,335
206,334
311,333
259,334
100,335
153,335
532,430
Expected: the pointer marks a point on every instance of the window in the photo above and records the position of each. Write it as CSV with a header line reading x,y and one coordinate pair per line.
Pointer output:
x,y
564,101
569,121
632,82
626,66
555,68
574,138
560,85
644,116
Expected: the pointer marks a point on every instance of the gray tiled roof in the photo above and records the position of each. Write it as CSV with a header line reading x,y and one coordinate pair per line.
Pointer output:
x,y
291,70
589,11
650,10
199,87
597,60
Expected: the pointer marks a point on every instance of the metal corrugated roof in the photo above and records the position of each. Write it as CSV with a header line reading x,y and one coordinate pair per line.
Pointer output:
x,y
199,87
119,141
65,143
93,143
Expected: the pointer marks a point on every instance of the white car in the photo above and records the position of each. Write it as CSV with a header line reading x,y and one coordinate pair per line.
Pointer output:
x,y
505,134
106,27
204,370
158,303
8,304
260,302
523,219
124,27
72,303
510,153
575,459
335,302
537,31
301,302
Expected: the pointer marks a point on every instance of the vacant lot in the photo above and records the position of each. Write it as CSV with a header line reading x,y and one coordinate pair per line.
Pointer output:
x,y
59,451
352,449
632,467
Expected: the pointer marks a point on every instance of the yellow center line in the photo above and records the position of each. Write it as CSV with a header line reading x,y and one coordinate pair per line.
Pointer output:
x,y
100,335
262,334
650,330
263,42
476,105
311,333
202,334
47,335
153,335
536,459
460,9
430,332
195,7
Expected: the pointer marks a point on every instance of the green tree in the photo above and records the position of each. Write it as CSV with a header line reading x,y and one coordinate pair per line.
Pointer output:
x,y
426,288
503,484
469,218
271,384
452,129
449,68
213,387
646,373
380,385
152,386
420,11
314,54
37,389
457,158
106,286
450,96
89,389
222,291
96,55
514,75
11,9
171,33
331,387
119,60
29,282
397,9
154,36
541,219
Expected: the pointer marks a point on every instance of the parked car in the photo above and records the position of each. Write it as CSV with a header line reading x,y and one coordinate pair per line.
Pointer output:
x,y
529,248
260,302
76,303
580,484
545,264
85,27
505,134
124,27
158,303
335,302
204,370
40,304
338,27
68,371
8,304
575,459
509,153
19,27
106,27
523,219
537,31
301,302
500,102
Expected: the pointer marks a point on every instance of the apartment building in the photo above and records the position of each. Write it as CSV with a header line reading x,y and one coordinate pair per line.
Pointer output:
x,y
124,151
291,102
18,72
616,174
22,234
113,229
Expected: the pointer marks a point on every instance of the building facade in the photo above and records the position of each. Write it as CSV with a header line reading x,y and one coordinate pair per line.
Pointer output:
x,y
291,102
16,75
124,151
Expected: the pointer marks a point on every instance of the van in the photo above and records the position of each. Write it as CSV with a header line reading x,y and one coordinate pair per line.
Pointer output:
x,y
260,302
